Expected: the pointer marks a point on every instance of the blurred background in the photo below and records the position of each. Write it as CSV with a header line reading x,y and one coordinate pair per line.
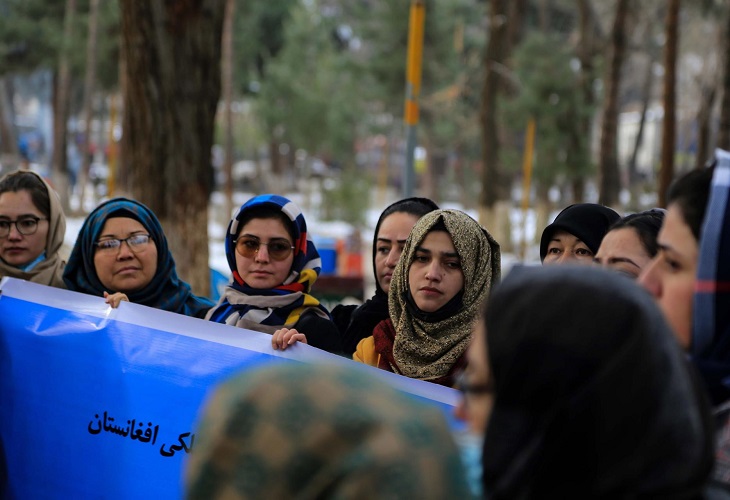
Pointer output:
x,y
525,106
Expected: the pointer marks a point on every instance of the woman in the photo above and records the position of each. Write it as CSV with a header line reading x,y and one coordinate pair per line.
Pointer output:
x,y
575,234
274,266
318,432
395,223
631,243
121,253
584,392
448,265
32,229
672,274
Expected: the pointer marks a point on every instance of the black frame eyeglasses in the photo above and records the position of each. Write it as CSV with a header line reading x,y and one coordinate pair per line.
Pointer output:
x,y
278,249
25,225
467,389
136,243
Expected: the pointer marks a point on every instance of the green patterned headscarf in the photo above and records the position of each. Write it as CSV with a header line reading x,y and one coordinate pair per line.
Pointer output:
x,y
295,431
428,350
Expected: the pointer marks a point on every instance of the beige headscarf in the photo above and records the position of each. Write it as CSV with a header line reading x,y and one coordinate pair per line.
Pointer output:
x,y
429,350
50,271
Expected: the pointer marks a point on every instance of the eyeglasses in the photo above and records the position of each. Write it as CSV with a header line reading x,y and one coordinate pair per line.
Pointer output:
x,y
279,249
25,225
468,389
136,243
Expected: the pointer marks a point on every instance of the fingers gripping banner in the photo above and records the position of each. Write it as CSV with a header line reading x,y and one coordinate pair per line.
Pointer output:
x,y
102,403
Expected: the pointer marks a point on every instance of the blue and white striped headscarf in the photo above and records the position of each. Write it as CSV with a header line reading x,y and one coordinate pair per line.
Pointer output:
x,y
283,305
711,317
166,291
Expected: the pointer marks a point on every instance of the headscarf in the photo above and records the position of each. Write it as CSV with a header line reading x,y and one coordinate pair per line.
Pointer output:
x,y
316,432
269,309
373,311
593,396
589,222
425,349
711,316
166,291
50,270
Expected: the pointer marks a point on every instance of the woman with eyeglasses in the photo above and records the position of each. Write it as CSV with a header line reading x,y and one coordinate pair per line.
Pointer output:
x,y
274,266
121,253
32,229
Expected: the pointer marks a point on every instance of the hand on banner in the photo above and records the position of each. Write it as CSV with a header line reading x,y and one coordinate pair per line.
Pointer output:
x,y
115,299
286,337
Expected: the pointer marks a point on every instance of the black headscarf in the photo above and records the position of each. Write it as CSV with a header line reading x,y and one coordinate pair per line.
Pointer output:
x,y
363,319
593,396
589,222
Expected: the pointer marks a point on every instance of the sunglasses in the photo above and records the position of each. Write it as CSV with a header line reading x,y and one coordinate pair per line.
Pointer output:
x,y
278,249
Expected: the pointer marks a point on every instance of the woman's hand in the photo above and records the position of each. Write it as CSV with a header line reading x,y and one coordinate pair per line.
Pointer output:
x,y
285,337
115,299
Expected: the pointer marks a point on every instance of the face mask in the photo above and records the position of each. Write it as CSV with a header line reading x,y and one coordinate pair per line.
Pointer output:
x,y
470,449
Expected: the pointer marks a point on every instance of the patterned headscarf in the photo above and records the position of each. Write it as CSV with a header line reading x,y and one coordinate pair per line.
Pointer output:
x,y
166,291
711,317
316,432
593,397
50,270
270,309
429,349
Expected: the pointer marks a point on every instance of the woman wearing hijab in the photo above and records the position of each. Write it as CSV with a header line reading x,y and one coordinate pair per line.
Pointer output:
x,y
32,229
711,315
584,392
395,223
318,432
576,233
274,266
448,266
121,253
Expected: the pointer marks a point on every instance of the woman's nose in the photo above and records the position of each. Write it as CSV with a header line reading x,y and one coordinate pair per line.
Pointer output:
x,y
649,279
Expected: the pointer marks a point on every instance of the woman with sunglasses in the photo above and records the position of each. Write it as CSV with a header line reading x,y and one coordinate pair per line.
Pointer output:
x,y
274,266
121,253
32,228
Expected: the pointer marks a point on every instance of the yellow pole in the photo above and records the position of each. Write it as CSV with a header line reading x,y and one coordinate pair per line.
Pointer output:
x,y
413,87
526,179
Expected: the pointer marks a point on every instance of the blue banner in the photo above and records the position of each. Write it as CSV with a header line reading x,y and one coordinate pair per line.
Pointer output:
x,y
98,402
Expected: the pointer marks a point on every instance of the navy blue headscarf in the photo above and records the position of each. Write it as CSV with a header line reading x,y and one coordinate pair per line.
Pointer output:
x,y
166,290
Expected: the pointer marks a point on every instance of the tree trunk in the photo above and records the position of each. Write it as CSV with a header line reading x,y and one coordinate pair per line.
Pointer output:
x,y
587,51
646,97
608,160
515,27
87,110
8,137
227,77
495,55
666,172
59,162
704,153
173,54
723,134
